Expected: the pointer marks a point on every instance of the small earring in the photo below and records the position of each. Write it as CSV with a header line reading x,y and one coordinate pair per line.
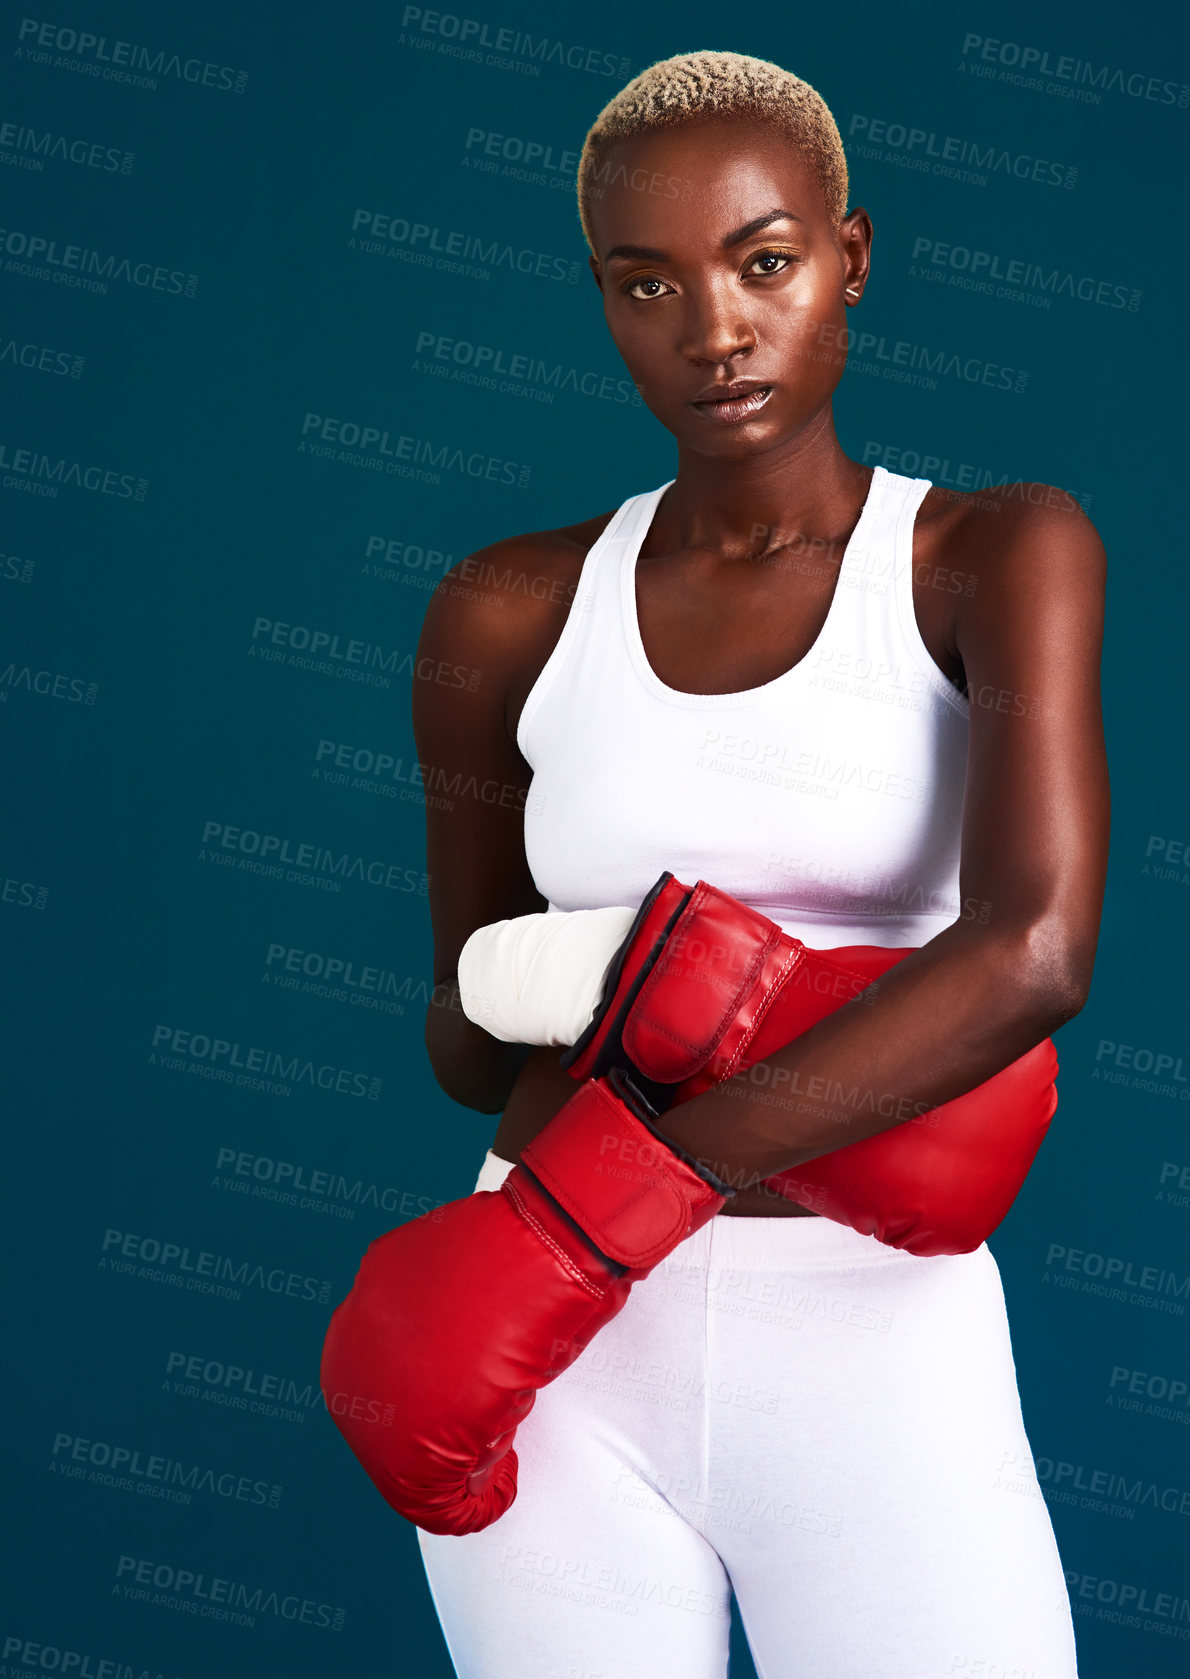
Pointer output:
x,y
850,291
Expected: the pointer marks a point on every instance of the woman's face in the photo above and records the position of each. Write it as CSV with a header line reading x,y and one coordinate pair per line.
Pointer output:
x,y
719,267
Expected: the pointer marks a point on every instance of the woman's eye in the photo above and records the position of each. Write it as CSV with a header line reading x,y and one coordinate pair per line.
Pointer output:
x,y
632,288
773,262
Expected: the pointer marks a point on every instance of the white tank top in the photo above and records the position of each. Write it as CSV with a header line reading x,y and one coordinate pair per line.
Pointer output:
x,y
829,799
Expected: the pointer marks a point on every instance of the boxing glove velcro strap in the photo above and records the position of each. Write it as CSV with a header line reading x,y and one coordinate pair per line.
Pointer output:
x,y
721,963
592,1053
695,962
628,1090
626,1188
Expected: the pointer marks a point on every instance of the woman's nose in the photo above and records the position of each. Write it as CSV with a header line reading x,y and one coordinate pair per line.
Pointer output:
x,y
715,326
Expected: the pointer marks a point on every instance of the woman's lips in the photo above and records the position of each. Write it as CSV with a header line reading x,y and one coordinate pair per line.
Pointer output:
x,y
733,409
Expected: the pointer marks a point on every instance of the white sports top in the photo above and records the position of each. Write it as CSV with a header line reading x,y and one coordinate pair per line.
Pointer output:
x,y
829,799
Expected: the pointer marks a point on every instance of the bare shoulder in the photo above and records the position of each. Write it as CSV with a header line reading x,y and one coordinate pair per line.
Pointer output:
x,y
505,597
1023,536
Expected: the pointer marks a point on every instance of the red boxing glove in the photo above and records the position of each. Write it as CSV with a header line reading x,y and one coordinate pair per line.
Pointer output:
x,y
457,1319
705,987
691,986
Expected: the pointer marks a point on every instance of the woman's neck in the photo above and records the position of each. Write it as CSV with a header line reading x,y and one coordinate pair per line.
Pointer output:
x,y
745,507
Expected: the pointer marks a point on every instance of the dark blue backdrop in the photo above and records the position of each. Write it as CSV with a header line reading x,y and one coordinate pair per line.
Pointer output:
x,y
244,256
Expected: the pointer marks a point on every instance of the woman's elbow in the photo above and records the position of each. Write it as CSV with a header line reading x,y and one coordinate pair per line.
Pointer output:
x,y
1060,965
470,1066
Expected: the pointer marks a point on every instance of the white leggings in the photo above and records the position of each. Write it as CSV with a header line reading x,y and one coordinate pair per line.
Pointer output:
x,y
826,1425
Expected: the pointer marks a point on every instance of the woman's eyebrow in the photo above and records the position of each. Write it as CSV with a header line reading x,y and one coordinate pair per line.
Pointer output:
x,y
646,253
649,253
752,227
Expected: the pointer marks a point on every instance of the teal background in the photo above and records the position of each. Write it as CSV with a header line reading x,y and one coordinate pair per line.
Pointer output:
x,y
140,602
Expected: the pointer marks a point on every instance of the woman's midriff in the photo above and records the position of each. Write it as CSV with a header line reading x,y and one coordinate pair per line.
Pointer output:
x,y
543,1087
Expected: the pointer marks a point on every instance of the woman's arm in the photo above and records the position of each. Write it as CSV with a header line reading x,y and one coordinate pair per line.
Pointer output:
x,y
498,613
1034,852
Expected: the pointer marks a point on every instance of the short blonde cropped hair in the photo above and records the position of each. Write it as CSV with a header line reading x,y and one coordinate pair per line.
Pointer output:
x,y
694,85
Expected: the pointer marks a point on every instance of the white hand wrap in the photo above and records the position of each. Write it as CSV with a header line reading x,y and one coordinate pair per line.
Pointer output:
x,y
536,979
